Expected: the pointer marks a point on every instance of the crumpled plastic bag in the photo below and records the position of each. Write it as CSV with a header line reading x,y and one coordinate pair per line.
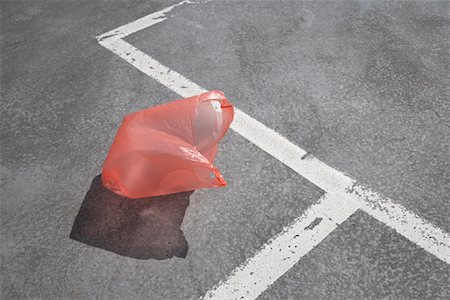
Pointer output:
x,y
169,148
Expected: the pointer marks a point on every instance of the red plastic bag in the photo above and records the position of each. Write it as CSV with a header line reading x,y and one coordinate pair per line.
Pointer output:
x,y
169,148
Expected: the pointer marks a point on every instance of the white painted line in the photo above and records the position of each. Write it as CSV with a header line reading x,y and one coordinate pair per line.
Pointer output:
x,y
284,250
320,174
343,195
146,64
419,231
139,24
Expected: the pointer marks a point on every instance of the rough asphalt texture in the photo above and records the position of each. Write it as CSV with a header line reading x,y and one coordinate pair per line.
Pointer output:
x,y
361,85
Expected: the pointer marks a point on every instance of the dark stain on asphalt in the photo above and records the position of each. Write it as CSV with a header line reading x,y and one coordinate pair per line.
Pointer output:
x,y
140,228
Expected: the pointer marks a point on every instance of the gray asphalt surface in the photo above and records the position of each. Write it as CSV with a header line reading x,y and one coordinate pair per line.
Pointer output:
x,y
361,85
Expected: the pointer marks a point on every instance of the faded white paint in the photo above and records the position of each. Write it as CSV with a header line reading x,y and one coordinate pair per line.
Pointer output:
x,y
284,250
139,24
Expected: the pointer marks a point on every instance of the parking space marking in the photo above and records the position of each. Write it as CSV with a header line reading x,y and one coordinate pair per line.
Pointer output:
x,y
336,184
146,64
284,250
139,24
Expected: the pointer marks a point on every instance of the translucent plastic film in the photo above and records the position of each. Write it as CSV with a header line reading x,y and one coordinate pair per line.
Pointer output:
x,y
169,148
